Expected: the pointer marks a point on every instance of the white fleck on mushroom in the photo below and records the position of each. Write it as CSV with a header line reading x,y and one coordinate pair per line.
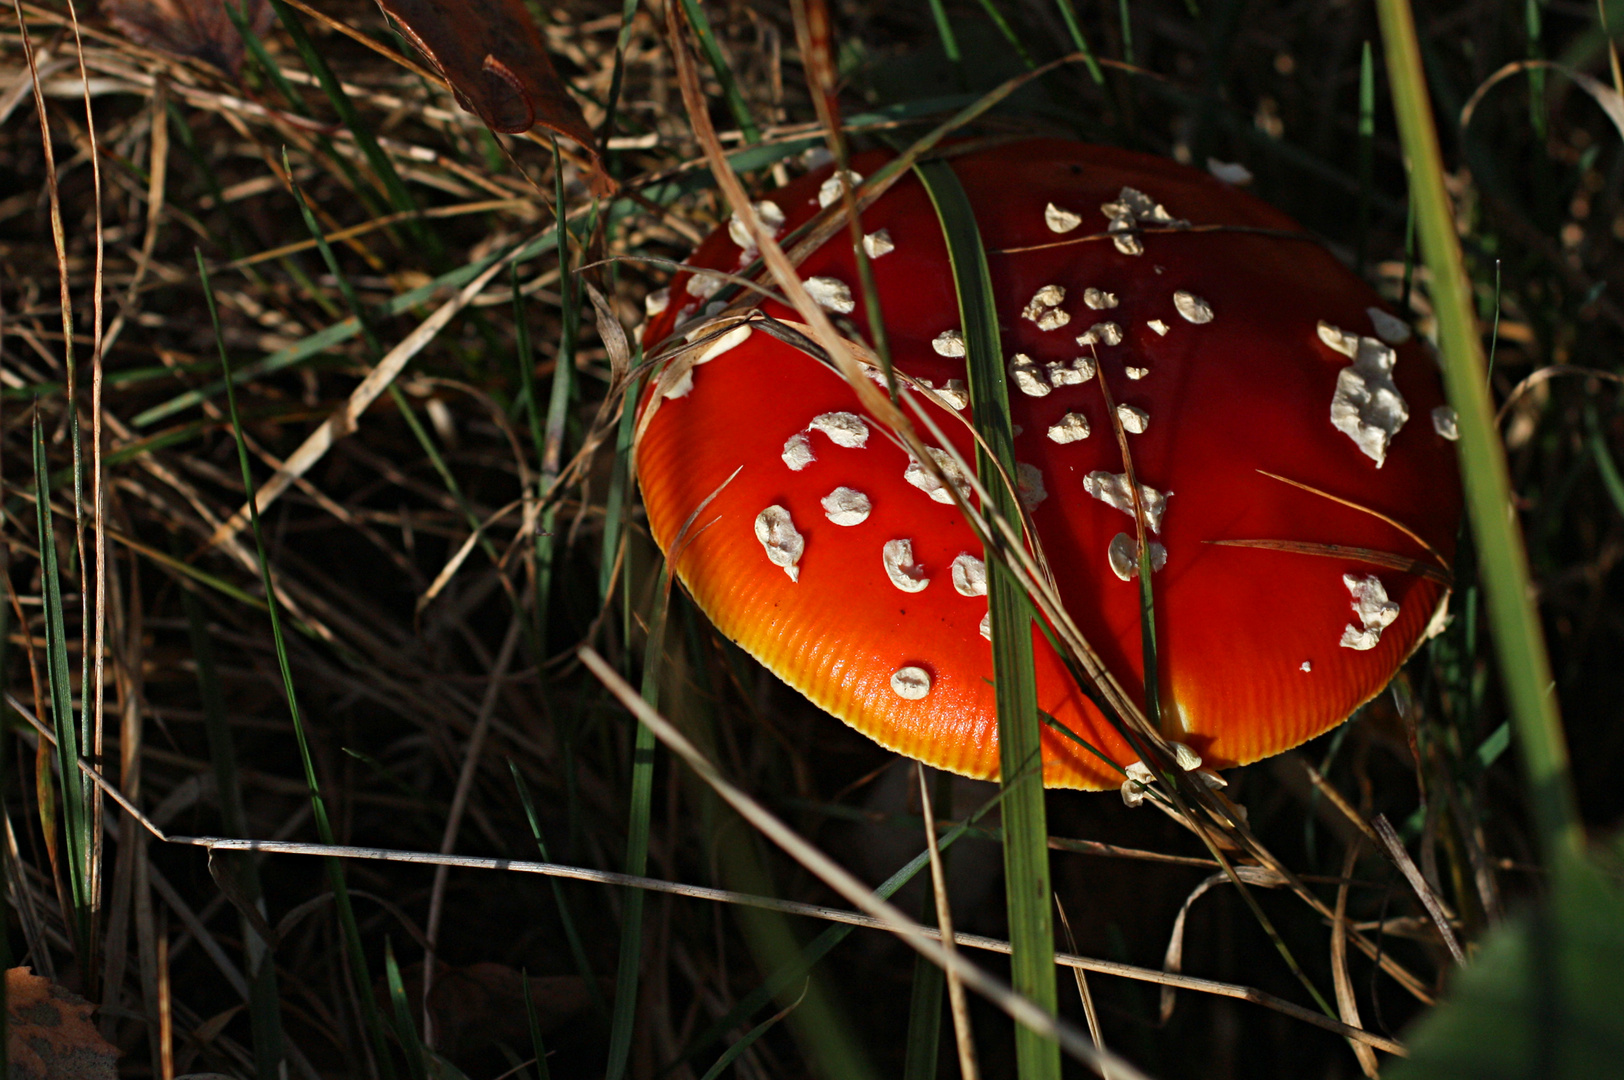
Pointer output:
x,y
1184,756
1134,419
778,537
1229,172
1192,307
1375,611
1446,423
1305,667
1133,788
843,428
1069,428
1060,221
949,343
1158,326
846,506
829,192
1105,333
798,452
955,393
1366,406
1112,490
1343,342
702,286
1044,308
680,387
656,302
1389,327
1029,378
1123,555
900,567
1061,373
1099,299
830,293
878,243
730,340
771,217
1133,207
969,575
921,478
1135,373
1084,366
986,626
1029,485
910,683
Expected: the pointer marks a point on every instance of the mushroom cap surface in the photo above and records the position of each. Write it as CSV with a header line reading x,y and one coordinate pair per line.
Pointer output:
x,y
1223,372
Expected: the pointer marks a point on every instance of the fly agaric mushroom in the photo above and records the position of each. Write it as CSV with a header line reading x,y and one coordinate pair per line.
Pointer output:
x,y
1301,520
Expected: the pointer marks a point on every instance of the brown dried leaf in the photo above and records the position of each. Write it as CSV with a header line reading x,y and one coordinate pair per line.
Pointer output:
x,y
198,29
49,1033
492,55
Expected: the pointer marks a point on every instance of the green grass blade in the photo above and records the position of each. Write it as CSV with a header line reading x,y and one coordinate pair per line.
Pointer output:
x,y
720,68
640,808
571,935
265,1017
542,1072
405,1031
616,503
732,1053
924,1040
1008,32
399,197
1026,852
822,945
1367,152
372,1021
1524,666
551,448
75,809
1068,12
944,31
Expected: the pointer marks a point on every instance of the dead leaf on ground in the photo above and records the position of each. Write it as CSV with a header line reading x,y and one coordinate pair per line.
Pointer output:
x,y
492,54
199,29
482,1004
49,1034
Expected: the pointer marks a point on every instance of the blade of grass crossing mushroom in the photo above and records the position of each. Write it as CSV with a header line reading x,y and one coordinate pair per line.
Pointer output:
x,y
639,810
1524,665
1026,848
75,815
371,1019
265,1016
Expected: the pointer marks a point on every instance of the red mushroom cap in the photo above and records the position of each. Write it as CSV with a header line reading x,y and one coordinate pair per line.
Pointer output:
x,y
1233,345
